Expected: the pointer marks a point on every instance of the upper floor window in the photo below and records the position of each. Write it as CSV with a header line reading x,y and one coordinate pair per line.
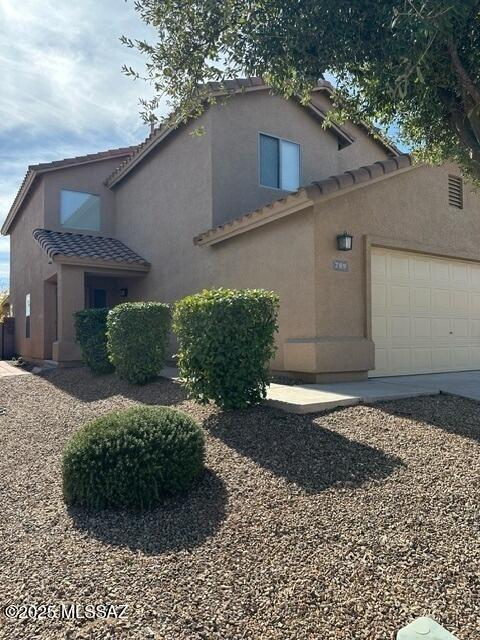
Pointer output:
x,y
279,163
79,210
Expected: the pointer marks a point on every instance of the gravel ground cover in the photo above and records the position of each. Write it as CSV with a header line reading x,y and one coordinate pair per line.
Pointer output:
x,y
347,524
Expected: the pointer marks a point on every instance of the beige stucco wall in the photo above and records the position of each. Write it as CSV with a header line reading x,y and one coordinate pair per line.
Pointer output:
x,y
29,268
161,206
88,178
409,211
235,126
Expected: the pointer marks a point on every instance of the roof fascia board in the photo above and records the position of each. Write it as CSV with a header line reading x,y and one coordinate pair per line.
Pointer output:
x,y
99,264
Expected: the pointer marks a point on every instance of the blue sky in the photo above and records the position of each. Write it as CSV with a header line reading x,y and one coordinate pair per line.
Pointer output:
x,y
62,91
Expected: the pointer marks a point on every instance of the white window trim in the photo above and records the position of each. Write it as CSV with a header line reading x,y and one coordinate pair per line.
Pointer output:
x,y
269,135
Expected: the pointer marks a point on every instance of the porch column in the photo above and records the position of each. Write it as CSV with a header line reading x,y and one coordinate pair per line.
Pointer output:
x,y
70,298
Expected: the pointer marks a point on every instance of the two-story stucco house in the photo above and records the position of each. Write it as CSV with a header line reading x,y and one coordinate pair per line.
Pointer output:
x,y
259,200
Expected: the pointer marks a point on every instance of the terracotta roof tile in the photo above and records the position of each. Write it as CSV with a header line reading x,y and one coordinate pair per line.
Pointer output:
x,y
60,243
326,187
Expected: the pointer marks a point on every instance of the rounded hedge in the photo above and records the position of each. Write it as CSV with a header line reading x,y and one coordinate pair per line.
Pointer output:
x,y
132,459
90,333
137,337
226,339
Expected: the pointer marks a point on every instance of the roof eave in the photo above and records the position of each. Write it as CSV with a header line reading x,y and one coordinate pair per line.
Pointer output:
x,y
274,211
99,264
310,195
149,145
18,201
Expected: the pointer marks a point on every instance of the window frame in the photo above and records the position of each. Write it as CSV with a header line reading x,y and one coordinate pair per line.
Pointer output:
x,y
87,193
280,140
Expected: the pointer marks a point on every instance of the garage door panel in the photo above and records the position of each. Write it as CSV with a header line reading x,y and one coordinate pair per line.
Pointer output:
x,y
475,303
460,301
422,270
398,297
400,327
379,295
422,327
440,300
399,267
425,313
420,299
474,276
460,328
422,359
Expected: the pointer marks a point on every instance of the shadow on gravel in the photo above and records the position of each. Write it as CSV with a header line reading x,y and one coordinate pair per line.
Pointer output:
x,y
182,523
299,450
452,414
88,387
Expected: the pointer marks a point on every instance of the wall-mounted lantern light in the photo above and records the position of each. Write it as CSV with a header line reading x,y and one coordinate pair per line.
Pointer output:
x,y
124,292
344,241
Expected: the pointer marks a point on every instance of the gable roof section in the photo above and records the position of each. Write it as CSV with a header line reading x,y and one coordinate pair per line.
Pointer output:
x,y
71,247
237,86
35,170
307,196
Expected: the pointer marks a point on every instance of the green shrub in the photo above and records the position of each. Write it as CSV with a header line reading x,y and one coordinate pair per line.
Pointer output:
x,y
226,340
90,330
137,334
132,459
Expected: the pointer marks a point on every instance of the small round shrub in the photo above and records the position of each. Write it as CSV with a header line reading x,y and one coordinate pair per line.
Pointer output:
x,y
132,459
226,339
137,336
91,334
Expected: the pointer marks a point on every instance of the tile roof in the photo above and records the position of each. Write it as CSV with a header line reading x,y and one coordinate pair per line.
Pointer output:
x,y
34,169
304,197
93,248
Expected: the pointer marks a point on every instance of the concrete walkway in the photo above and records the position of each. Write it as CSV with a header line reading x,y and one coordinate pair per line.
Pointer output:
x,y
310,398
7,369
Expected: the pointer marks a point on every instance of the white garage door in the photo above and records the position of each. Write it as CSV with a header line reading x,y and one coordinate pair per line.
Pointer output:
x,y
425,313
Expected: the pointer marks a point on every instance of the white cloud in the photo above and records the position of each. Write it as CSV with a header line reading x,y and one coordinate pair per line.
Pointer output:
x,y
61,66
62,89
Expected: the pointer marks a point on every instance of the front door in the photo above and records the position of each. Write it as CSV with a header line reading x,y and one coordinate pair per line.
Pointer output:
x,y
99,298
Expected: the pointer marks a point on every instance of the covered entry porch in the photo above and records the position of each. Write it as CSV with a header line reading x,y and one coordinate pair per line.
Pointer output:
x,y
92,272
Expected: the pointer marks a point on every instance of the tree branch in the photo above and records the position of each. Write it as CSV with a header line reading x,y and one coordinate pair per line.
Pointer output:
x,y
466,82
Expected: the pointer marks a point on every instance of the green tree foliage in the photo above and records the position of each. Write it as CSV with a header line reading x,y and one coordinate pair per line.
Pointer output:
x,y
226,340
137,336
410,62
132,459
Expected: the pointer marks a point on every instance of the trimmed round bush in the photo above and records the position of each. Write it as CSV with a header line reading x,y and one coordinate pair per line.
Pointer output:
x,y
137,337
132,459
91,335
226,339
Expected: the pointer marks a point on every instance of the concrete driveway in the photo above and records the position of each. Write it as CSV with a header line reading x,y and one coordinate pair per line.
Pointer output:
x,y
310,398
463,383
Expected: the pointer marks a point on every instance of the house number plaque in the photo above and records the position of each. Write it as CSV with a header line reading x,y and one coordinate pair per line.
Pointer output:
x,y
340,265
